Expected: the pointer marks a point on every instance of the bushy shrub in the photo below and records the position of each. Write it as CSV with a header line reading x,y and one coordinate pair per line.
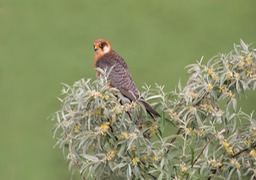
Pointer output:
x,y
201,134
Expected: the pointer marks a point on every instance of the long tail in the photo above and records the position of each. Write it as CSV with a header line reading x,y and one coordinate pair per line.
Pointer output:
x,y
150,109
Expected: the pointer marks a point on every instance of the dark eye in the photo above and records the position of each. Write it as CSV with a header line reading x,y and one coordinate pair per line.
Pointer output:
x,y
102,45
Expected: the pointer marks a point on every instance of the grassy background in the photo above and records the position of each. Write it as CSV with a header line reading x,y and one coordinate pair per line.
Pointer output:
x,y
46,42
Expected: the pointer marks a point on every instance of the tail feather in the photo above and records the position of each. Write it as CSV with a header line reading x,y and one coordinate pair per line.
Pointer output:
x,y
150,109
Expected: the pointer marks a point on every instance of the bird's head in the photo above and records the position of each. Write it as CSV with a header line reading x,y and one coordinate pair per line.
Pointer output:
x,y
101,47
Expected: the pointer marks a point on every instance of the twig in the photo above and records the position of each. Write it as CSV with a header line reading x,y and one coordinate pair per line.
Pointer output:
x,y
73,158
178,132
243,150
203,150
174,139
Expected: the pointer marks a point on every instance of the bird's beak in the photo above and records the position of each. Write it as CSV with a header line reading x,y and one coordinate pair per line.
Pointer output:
x,y
96,47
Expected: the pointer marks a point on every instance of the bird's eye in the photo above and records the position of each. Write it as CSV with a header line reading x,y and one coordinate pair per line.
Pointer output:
x,y
101,46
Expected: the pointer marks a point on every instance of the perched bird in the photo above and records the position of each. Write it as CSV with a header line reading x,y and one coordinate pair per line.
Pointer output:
x,y
119,76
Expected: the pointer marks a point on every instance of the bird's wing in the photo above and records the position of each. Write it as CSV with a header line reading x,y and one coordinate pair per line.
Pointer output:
x,y
119,75
120,78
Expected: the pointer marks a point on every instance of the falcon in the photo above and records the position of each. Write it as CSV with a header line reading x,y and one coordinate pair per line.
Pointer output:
x,y
119,76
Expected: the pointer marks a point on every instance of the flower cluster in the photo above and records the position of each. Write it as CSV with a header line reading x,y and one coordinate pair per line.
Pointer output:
x,y
227,147
235,163
103,128
215,163
110,155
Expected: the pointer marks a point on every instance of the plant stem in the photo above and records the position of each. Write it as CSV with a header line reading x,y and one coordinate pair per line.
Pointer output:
x,y
243,150
202,150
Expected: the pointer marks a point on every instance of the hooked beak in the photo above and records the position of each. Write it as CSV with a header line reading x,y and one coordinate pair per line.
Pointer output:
x,y
96,47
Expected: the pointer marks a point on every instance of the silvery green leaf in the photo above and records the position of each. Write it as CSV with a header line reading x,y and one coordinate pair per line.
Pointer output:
x,y
90,158
119,166
129,172
234,102
244,46
231,173
160,177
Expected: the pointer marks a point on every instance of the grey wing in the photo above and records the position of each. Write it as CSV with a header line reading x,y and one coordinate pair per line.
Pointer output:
x,y
119,76
121,79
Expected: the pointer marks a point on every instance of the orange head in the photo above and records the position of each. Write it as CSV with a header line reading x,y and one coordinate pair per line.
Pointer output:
x,y
101,47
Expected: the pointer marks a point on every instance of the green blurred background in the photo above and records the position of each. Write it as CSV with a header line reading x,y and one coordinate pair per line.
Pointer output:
x,y
46,42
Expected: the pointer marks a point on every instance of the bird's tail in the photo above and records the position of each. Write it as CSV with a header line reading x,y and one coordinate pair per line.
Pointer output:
x,y
150,110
